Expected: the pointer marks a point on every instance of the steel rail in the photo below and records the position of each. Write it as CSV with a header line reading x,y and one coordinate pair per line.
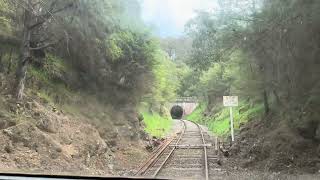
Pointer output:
x,y
205,153
171,152
152,160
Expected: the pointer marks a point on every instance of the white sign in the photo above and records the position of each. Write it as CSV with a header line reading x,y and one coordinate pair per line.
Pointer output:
x,y
230,101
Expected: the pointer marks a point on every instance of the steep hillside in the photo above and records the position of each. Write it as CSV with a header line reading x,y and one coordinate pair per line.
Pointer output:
x,y
73,77
267,54
39,137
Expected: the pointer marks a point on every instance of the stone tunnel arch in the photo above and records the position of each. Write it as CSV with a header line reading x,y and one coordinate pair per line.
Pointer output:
x,y
176,112
188,104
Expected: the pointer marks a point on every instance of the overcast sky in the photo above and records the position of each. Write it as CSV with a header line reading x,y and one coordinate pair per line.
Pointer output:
x,y
168,17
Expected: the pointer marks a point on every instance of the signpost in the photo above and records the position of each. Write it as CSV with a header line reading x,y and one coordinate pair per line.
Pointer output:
x,y
231,101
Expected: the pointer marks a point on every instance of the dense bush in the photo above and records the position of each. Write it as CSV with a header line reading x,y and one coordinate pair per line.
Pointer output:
x,y
99,47
266,52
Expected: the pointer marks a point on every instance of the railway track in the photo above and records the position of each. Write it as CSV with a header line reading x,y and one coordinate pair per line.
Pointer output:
x,y
187,156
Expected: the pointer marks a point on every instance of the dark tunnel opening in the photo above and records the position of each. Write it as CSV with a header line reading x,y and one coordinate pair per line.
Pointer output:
x,y
176,112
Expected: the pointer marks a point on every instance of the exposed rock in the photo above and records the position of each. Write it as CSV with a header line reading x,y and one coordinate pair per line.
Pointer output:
x,y
9,147
29,105
33,148
113,149
37,114
5,123
48,124
111,143
143,135
125,131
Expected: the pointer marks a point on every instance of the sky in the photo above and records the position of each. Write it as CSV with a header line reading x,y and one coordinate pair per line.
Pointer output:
x,y
168,17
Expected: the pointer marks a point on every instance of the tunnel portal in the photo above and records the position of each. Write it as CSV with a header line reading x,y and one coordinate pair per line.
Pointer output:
x,y
176,112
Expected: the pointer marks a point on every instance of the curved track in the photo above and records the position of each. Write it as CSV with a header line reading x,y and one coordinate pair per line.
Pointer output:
x,y
184,157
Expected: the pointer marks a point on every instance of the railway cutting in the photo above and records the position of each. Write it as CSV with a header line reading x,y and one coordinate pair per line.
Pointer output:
x,y
191,154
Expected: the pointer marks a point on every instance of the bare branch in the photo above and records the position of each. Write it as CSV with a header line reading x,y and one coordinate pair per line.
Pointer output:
x,y
39,23
52,12
45,45
45,17
42,47
67,37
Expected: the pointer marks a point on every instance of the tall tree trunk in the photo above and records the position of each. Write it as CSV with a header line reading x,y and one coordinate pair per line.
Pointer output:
x,y
150,108
266,102
278,101
162,110
10,61
1,63
25,56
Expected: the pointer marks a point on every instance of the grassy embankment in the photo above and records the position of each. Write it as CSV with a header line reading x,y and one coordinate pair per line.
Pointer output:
x,y
219,122
156,125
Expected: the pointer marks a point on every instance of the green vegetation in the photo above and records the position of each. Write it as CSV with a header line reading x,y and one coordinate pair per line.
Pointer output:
x,y
156,125
249,53
166,80
259,52
5,21
219,122
197,114
100,49
230,77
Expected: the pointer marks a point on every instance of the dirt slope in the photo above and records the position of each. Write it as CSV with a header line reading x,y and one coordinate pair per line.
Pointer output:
x,y
273,146
38,137
51,142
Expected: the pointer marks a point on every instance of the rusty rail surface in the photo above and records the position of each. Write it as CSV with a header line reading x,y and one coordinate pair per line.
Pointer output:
x,y
170,153
153,157
170,147
205,153
156,154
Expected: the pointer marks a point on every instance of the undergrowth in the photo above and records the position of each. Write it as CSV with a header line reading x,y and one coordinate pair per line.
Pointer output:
x,y
49,80
197,114
219,122
156,125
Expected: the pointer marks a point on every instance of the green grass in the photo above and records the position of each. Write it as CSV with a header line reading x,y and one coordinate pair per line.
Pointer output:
x,y
219,122
156,125
45,97
48,79
53,69
197,114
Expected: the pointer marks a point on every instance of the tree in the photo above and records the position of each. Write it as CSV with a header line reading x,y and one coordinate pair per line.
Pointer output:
x,y
267,52
35,19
